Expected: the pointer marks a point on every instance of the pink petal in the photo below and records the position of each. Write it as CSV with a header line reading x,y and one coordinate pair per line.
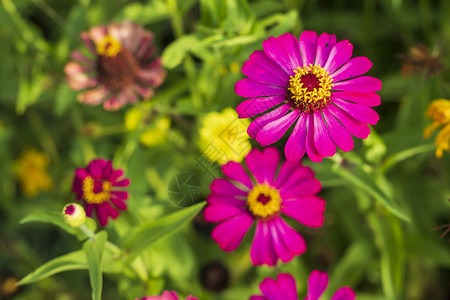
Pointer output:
x,y
317,283
256,297
322,140
146,40
254,106
107,169
153,77
123,183
354,67
364,84
261,68
325,43
291,174
81,173
275,49
344,293
292,240
251,88
263,164
308,41
97,33
273,131
367,99
307,210
225,199
96,168
236,172
115,174
304,187
296,144
282,251
94,96
262,250
259,122
218,212
224,187
145,92
119,203
311,150
282,289
341,53
287,169
361,113
120,194
102,215
88,42
229,234
79,56
353,126
89,208
341,137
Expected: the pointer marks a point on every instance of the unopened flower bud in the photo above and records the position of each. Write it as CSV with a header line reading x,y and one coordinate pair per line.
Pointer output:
x,y
74,215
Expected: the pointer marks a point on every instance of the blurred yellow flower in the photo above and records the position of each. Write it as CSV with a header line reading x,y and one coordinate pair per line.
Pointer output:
x,y
157,135
132,118
30,169
439,112
223,136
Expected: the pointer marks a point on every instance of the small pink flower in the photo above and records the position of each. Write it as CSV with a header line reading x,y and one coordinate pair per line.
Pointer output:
x,y
240,200
119,69
98,186
167,295
284,288
312,84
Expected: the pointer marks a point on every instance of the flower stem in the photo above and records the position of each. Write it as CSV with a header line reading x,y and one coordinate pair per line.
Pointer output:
x,y
402,155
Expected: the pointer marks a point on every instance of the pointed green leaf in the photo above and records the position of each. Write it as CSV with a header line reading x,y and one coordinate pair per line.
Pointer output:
x,y
93,248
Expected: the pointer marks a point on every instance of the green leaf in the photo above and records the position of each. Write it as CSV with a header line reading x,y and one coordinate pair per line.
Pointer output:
x,y
145,235
175,53
93,248
72,261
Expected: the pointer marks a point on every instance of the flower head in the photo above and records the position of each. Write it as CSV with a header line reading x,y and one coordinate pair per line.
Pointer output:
x,y
167,295
97,186
119,69
31,170
313,83
262,197
284,288
439,112
223,137
74,215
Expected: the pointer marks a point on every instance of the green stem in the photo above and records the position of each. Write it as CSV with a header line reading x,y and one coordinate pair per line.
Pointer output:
x,y
402,155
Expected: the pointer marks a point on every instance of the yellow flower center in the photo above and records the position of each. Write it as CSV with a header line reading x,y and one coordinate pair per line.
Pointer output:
x,y
264,201
96,191
310,88
108,46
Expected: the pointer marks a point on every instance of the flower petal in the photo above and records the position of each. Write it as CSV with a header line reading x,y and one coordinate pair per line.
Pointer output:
x,y
292,240
284,288
317,283
303,187
307,210
341,137
354,67
224,187
353,126
340,53
263,164
364,84
120,194
225,199
296,144
94,96
261,121
261,68
287,169
284,50
254,106
96,168
344,293
251,88
119,203
123,183
220,212
308,41
322,140
311,150
262,250
273,131
367,99
361,113
325,43
236,172
229,234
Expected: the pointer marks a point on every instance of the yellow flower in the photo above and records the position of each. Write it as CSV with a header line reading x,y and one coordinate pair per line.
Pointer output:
x,y
30,169
223,136
439,112
157,135
132,118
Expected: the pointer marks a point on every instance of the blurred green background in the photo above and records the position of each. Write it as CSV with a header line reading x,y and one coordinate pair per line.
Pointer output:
x,y
203,44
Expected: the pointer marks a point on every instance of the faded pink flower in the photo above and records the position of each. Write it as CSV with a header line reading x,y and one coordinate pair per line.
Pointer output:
x,y
312,84
262,196
119,69
167,295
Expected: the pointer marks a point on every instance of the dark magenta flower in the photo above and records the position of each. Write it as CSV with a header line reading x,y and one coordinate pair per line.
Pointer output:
x,y
167,295
98,185
120,68
262,197
284,288
313,83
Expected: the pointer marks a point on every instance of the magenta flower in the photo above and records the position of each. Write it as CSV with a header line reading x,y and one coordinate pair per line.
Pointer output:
x,y
284,288
262,197
119,69
167,295
313,83
98,185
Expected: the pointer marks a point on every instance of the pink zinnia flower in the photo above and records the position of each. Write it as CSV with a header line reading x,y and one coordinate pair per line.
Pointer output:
x,y
98,185
284,288
167,295
119,70
313,83
240,200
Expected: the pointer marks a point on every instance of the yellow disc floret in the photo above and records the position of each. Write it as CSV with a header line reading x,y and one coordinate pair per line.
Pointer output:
x,y
264,201
108,46
91,196
310,88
